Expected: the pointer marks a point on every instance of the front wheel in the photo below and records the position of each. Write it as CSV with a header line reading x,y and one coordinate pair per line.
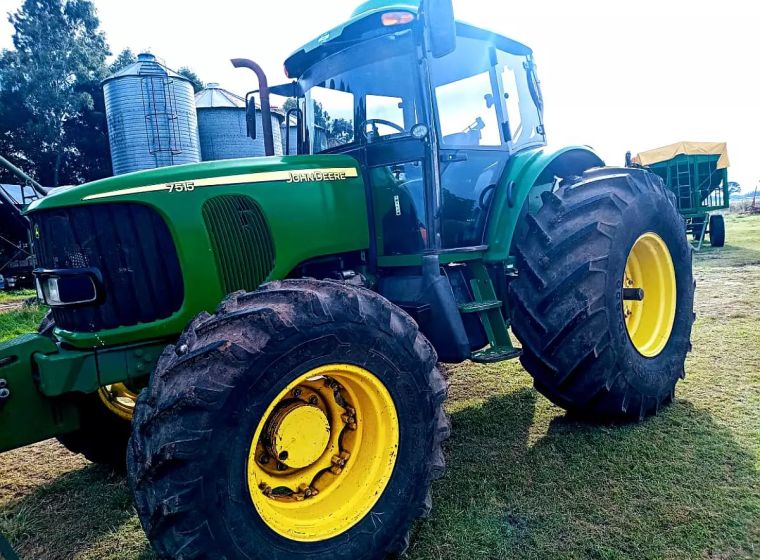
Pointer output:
x,y
604,300
301,421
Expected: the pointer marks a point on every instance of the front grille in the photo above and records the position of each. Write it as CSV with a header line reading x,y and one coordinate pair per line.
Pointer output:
x,y
242,241
131,246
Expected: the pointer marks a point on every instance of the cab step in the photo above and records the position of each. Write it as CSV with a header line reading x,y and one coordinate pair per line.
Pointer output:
x,y
496,354
479,306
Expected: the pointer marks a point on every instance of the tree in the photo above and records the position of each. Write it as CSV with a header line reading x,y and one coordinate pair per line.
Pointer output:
x,y
290,103
47,85
186,72
734,188
124,59
321,117
343,130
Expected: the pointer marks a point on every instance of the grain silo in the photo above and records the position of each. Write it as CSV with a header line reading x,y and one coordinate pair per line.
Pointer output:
x,y
151,117
222,126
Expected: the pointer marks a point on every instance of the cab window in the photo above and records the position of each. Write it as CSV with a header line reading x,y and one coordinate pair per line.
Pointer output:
x,y
359,100
523,97
467,96
385,115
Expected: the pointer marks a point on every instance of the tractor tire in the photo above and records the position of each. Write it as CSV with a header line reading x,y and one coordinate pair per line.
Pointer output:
x,y
199,454
102,436
571,311
717,231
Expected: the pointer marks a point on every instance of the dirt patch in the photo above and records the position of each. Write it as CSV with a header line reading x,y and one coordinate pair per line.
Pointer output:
x,y
13,306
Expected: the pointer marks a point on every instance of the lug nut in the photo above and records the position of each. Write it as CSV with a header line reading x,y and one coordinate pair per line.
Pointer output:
x,y
305,492
339,462
296,392
264,459
281,467
313,400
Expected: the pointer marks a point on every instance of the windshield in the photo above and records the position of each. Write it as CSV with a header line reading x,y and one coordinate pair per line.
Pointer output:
x,y
365,94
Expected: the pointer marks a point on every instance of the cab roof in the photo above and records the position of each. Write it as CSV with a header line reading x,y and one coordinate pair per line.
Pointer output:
x,y
365,23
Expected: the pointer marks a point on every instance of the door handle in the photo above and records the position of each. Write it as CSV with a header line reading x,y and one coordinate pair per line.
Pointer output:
x,y
453,158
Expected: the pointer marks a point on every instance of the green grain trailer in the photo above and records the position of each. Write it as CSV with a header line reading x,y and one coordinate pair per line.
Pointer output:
x,y
282,318
697,173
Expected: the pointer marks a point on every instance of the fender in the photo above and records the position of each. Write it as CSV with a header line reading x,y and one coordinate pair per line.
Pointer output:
x,y
526,171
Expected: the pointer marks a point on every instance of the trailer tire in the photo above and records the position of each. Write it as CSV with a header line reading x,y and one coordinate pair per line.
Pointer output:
x,y
102,436
717,230
195,439
568,308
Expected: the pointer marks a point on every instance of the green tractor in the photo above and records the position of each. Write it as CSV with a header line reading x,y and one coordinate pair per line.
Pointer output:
x,y
282,318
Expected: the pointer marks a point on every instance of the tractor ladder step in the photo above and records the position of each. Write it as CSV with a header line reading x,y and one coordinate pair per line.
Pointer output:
x,y
496,354
479,306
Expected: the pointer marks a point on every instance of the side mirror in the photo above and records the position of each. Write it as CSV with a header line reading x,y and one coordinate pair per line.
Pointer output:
x,y
439,19
250,114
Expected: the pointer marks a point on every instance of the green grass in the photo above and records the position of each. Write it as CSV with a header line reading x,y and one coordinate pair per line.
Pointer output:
x,y
20,321
523,482
15,296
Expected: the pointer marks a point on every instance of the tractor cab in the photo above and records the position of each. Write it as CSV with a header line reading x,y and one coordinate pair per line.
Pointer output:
x,y
431,113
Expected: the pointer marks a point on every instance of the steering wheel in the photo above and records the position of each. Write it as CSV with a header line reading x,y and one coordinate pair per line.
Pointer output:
x,y
483,194
375,122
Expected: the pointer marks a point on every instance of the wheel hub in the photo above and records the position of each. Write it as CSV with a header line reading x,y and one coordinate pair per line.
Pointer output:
x,y
323,453
649,295
298,435
119,399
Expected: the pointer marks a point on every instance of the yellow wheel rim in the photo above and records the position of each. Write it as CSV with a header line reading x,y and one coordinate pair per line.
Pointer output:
x,y
323,453
119,399
649,295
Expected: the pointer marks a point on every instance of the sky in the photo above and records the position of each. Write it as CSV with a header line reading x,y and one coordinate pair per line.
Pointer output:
x,y
617,76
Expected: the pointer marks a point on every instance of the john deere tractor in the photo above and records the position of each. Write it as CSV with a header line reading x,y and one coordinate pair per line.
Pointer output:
x,y
282,318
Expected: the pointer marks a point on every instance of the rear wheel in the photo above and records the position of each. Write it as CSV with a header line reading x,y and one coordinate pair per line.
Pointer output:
x,y
105,419
604,302
717,231
304,420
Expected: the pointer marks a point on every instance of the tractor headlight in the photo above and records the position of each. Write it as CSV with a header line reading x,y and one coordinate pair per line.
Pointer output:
x,y
69,288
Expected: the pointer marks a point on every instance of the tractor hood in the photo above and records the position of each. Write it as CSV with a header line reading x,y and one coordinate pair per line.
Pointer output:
x,y
181,238
187,178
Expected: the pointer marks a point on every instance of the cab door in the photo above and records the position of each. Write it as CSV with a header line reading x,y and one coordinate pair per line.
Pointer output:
x,y
474,139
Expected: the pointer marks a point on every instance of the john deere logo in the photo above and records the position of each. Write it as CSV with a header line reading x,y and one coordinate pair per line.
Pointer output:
x,y
36,232
307,176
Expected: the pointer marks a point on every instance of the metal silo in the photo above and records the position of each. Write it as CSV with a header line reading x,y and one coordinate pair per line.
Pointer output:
x,y
151,117
222,127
